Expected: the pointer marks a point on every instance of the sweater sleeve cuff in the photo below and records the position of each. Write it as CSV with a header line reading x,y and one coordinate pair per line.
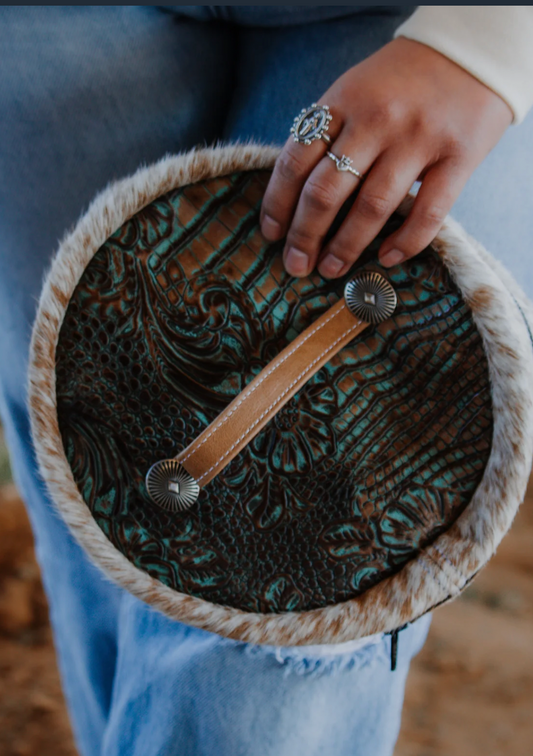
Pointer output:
x,y
492,42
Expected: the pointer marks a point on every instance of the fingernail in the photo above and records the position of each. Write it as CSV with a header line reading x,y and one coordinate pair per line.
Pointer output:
x,y
296,262
330,266
270,228
392,257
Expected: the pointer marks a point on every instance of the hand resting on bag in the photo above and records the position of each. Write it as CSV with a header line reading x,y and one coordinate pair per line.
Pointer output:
x,y
404,114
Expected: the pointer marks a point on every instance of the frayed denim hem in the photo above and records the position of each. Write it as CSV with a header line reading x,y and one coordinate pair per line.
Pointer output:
x,y
324,660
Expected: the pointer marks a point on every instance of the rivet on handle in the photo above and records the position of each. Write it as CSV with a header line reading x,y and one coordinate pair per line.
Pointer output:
x,y
170,486
370,297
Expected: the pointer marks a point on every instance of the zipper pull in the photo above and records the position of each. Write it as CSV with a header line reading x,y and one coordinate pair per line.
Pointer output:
x,y
394,645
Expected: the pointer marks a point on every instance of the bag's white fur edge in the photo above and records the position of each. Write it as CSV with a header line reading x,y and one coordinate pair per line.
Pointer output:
x,y
442,570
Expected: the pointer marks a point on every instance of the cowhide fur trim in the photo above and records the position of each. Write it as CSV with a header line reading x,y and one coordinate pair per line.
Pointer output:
x,y
443,569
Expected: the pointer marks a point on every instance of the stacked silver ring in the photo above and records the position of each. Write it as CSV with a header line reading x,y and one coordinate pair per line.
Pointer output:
x,y
313,123
344,163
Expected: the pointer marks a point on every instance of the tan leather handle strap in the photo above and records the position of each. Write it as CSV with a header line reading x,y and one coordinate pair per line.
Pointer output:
x,y
221,441
175,483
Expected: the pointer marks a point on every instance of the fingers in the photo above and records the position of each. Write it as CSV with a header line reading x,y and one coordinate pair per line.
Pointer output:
x,y
306,191
321,197
384,188
440,188
291,171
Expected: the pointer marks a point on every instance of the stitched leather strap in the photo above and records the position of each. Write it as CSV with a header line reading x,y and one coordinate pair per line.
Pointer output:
x,y
174,484
223,439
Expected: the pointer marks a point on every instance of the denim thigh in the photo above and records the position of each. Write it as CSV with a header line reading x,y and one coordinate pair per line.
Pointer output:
x,y
86,95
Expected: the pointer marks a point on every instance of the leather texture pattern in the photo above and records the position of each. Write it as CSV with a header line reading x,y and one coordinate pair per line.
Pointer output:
x,y
368,463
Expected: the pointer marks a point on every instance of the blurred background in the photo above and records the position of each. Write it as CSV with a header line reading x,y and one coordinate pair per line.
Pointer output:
x,y
470,691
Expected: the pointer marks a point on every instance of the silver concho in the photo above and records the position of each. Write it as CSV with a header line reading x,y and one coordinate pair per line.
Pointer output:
x,y
170,486
370,297
311,123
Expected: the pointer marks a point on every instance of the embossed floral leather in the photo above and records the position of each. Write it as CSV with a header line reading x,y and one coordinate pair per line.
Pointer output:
x,y
359,474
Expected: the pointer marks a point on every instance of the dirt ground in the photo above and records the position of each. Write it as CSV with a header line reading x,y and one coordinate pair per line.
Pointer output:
x,y
470,692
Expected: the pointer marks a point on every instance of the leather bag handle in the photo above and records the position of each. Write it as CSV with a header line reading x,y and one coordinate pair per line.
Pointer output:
x,y
175,483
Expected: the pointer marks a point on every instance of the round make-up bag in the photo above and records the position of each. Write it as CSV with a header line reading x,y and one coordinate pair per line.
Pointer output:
x,y
282,461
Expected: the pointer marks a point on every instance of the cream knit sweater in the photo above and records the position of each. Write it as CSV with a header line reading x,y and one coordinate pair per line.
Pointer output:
x,y
493,42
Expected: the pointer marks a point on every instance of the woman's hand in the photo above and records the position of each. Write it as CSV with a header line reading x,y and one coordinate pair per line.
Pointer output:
x,y
406,113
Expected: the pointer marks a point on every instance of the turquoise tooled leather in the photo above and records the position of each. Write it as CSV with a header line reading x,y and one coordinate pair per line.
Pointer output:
x,y
377,455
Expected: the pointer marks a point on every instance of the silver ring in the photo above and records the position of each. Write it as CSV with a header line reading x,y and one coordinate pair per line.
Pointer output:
x,y
344,163
312,123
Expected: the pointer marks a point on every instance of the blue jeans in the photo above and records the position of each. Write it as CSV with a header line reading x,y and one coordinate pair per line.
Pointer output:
x,y
86,95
